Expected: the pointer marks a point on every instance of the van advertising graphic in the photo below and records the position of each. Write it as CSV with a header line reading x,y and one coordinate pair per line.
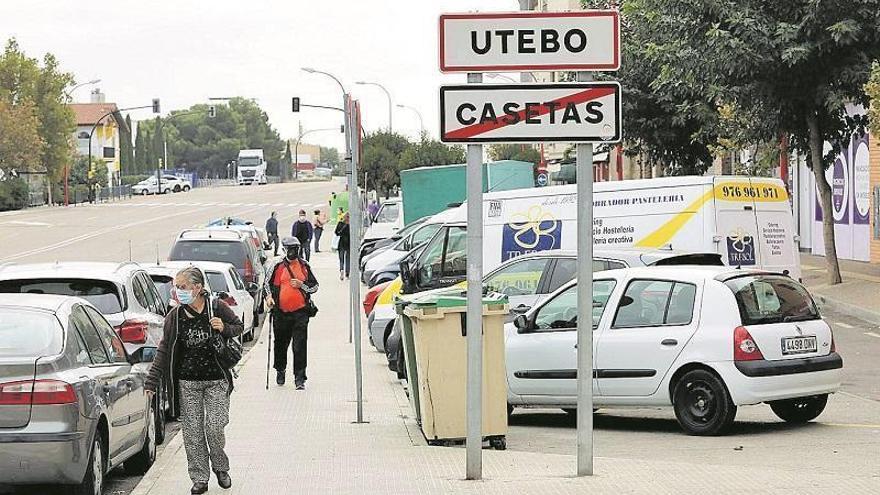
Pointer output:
x,y
533,230
740,248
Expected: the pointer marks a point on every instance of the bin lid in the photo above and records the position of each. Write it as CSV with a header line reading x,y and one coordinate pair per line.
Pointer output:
x,y
453,297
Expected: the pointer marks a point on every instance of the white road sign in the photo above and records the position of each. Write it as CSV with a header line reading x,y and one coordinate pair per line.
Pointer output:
x,y
526,41
572,112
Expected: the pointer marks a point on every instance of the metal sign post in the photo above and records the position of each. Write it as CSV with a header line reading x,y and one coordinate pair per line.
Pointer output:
x,y
354,215
474,306
585,304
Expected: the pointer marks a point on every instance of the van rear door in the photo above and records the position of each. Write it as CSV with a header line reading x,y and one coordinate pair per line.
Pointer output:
x,y
735,222
778,251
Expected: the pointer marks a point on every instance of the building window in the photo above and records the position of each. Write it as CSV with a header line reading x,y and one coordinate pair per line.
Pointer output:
x,y
109,152
83,135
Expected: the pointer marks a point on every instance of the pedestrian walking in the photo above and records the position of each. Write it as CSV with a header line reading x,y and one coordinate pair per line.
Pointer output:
x,y
302,230
343,231
288,289
272,232
331,199
320,221
373,209
199,387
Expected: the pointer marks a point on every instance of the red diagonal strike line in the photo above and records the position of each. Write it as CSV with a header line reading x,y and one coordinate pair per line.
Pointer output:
x,y
581,97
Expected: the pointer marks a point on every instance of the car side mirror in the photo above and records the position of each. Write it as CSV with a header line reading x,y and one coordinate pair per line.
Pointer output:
x,y
252,287
143,355
521,323
222,294
521,309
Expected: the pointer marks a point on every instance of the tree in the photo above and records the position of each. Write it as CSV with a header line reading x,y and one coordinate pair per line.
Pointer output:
x,y
872,89
126,151
430,153
204,145
286,162
672,129
800,63
330,158
140,151
521,152
381,160
20,141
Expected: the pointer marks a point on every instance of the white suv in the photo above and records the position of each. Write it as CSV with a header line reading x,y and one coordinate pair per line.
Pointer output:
x,y
704,340
170,183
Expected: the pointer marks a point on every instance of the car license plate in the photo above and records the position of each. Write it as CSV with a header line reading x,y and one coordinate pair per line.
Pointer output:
x,y
799,345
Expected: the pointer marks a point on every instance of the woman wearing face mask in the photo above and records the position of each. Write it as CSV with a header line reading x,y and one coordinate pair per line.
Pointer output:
x,y
200,385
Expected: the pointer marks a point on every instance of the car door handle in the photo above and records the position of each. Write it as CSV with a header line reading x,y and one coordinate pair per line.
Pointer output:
x,y
669,342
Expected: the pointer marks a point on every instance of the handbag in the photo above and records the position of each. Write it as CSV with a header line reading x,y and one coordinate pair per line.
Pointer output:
x,y
227,350
311,308
334,244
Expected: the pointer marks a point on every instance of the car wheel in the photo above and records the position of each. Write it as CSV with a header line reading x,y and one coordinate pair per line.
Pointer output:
x,y
93,481
801,409
167,191
144,192
401,364
177,188
702,404
186,188
141,462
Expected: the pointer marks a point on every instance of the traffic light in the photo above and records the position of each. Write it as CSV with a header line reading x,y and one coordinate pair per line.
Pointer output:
x,y
156,107
295,104
212,111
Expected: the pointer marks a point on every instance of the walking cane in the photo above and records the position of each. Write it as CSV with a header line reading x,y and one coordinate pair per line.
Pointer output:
x,y
269,348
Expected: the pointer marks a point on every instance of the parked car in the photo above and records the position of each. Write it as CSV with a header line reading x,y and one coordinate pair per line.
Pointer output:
x,y
72,401
387,221
223,281
530,278
170,183
704,340
225,246
369,248
385,263
123,293
372,295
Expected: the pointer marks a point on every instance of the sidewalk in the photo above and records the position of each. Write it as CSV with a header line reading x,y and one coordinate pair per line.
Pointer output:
x,y
858,295
282,441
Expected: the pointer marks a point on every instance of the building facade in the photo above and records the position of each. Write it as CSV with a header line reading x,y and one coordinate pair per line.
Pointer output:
x,y
106,121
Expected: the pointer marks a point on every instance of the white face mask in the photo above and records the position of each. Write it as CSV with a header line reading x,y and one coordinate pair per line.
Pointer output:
x,y
302,219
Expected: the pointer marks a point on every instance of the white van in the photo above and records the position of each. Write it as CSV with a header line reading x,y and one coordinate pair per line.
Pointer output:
x,y
388,220
746,220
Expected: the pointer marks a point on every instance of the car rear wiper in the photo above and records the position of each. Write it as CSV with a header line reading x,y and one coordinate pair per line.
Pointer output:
x,y
789,319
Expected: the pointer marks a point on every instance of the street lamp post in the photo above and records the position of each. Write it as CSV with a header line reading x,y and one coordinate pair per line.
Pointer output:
x,y
418,113
387,93
87,83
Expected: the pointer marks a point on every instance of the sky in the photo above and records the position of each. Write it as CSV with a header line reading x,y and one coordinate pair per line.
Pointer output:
x,y
184,52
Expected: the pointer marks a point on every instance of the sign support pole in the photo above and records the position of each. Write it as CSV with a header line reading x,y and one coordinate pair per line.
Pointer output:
x,y
354,214
474,305
585,303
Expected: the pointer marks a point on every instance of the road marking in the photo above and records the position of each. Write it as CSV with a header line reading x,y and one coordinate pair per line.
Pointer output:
x,y
844,325
872,334
853,425
317,205
29,224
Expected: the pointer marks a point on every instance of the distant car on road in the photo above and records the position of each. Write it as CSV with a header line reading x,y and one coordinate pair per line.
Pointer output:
x,y
170,183
72,401
704,340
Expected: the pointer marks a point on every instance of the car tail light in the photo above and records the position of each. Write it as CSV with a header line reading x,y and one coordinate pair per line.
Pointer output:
x,y
833,344
248,271
230,301
133,331
744,346
36,392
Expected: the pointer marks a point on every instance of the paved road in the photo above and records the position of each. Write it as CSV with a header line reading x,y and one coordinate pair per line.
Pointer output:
x,y
143,229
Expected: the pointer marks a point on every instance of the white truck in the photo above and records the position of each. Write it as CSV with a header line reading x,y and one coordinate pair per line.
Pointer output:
x,y
251,167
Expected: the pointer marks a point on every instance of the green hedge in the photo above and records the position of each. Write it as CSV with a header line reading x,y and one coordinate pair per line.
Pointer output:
x,y
13,194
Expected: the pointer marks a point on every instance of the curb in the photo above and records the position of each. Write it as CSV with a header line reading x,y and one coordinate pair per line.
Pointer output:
x,y
832,304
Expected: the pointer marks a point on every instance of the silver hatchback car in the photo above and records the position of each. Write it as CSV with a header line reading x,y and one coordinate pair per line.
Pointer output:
x,y
72,401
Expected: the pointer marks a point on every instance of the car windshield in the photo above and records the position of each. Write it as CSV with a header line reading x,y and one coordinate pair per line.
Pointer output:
x,y
220,222
409,228
249,161
26,333
772,299
388,213
224,251
103,294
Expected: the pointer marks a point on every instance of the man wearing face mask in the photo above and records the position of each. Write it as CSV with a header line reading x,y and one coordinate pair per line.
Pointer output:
x,y
288,290
303,231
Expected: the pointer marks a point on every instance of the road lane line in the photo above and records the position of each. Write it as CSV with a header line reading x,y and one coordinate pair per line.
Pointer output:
x,y
872,334
853,425
844,325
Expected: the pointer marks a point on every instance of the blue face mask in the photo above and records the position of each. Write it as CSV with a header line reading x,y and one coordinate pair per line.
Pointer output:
x,y
185,296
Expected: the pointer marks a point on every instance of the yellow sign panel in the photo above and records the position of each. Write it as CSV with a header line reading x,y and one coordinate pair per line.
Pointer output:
x,y
745,192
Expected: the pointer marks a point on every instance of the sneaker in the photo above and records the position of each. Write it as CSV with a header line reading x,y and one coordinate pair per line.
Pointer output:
x,y
341,276
223,479
301,386
198,488
279,378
